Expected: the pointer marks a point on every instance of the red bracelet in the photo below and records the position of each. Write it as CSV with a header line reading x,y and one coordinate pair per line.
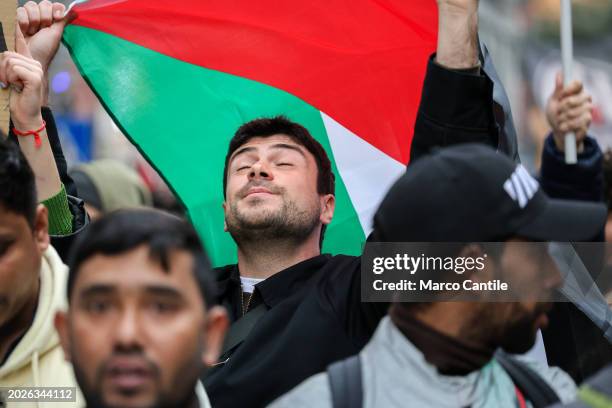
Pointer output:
x,y
35,133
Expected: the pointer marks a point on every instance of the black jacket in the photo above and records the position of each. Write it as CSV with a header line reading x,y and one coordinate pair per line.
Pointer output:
x,y
315,316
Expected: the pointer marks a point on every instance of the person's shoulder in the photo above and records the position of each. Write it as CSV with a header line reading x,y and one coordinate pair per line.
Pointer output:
x,y
340,268
558,379
52,368
312,392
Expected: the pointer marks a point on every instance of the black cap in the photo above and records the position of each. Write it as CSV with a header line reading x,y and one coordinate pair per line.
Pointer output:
x,y
470,193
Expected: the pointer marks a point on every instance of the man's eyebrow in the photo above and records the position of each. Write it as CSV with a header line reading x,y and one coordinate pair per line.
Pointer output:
x,y
241,151
106,289
276,146
97,289
288,146
165,291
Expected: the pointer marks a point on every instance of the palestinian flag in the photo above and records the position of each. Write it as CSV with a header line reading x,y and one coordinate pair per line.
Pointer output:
x,y
179,77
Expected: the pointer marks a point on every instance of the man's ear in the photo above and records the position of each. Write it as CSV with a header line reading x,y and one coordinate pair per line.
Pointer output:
x,y
61,326
216,327
41,228
328,206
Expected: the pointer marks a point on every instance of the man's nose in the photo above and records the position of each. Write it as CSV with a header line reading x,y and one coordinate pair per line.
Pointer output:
x,y
260,170
127,330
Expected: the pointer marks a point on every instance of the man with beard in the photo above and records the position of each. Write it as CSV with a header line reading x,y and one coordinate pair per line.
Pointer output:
x,y
140,326
295,310
442,354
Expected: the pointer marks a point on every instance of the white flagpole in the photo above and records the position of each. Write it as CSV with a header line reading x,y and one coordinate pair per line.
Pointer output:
x,y
567,54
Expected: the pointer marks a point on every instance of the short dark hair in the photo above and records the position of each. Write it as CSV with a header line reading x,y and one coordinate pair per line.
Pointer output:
x,y
17,182
266,127
124,230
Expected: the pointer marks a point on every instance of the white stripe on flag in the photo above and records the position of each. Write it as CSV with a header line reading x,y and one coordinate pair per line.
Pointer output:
x,y
367,172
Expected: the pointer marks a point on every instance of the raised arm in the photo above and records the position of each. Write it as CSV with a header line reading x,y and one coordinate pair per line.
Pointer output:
x,y
457,99
569,110
573,341
41,26
25,76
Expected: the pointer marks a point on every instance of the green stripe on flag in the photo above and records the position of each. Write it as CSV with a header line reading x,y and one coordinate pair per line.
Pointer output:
x,y
182,116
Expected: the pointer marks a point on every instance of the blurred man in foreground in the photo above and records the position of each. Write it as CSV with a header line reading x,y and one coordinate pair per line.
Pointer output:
x,y
140,326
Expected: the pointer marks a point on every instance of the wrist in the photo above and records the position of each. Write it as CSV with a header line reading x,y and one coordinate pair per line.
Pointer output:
x,y
458,40
452,9
27,123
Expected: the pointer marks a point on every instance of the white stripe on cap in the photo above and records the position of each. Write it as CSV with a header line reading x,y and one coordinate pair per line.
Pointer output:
x,y
521,187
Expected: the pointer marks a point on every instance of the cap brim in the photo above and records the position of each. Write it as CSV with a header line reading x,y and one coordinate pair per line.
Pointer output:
x,y
566,221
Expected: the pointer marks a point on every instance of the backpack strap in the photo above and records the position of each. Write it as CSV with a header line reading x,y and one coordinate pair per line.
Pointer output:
x,y
345,383
535,389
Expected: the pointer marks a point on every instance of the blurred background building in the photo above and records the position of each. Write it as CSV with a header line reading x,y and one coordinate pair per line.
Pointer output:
x,y
525,45
522,36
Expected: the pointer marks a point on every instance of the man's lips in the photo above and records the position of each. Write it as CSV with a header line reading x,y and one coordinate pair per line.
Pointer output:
x,y
129,373
257,190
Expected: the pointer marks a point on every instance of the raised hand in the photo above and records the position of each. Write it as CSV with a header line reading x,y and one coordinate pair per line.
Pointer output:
x,y
569,109
25,76
42,25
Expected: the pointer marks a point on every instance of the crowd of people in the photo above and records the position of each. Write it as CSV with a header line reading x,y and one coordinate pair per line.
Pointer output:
x,y
101,293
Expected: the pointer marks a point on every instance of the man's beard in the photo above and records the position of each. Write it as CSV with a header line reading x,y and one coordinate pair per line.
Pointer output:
x,y
516,336
519,336
289,223
94,398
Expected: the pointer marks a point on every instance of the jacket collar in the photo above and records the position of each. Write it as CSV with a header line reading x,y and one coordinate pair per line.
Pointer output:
x,y
278,286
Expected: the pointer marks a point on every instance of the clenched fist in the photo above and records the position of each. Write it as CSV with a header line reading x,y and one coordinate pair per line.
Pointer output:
x,y
569,109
